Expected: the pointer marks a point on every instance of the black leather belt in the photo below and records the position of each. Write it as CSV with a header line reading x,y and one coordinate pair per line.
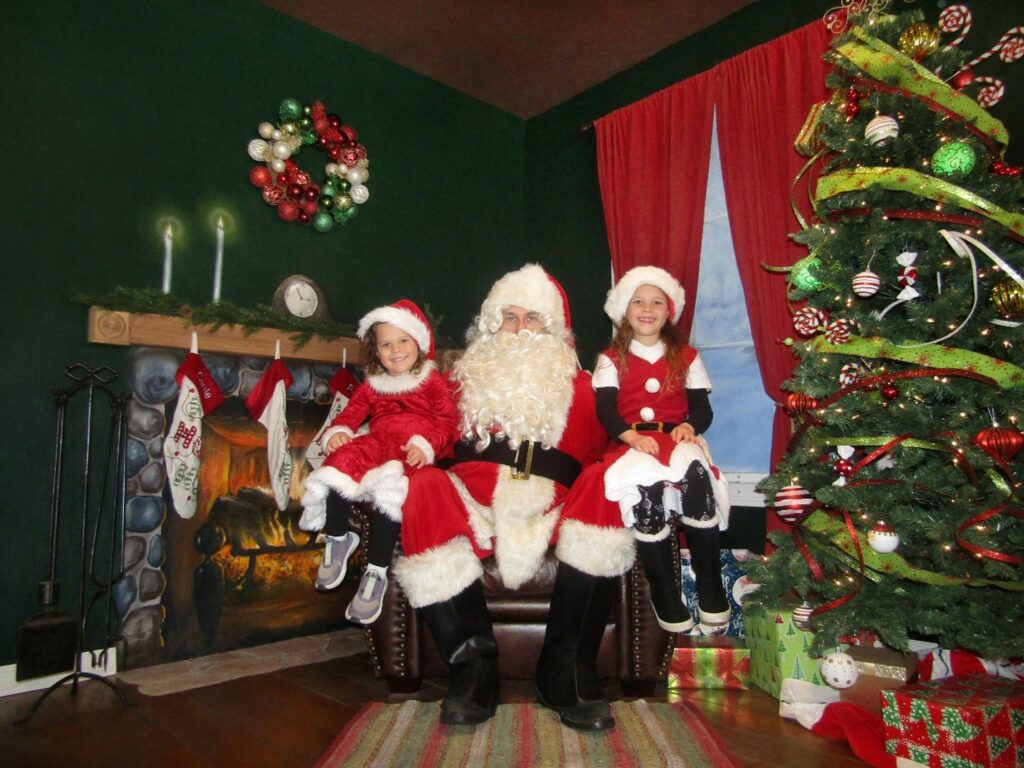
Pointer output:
x,y
653,426
530,459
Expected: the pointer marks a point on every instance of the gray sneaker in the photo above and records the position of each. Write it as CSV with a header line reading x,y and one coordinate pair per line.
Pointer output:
x,y
337,551
368,601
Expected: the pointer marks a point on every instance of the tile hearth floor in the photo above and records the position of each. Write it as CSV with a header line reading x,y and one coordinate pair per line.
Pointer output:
x,y
176,676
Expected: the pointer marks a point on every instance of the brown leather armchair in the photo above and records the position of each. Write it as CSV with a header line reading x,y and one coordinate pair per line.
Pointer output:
x,y
635,650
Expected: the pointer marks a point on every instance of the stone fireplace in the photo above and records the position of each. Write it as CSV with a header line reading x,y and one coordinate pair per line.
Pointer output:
x,y
240,572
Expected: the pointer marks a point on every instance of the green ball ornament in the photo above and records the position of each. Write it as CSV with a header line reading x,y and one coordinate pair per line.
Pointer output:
x,y
954,160
306,122
323,221
339,216
802,275
344,185
326,202
351,212
307,137
290,109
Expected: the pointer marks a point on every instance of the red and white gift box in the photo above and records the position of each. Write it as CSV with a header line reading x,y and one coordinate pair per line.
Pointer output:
x,y
974,721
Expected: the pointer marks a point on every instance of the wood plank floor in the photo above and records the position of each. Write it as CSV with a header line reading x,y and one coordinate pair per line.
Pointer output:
x,y
286,719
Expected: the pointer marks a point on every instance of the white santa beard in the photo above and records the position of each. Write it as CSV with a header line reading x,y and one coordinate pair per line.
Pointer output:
x,y
520,385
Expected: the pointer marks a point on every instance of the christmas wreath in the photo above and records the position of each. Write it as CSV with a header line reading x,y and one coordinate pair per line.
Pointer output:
x,y
289,188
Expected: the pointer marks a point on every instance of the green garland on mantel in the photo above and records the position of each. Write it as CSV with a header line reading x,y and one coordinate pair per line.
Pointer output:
x,y
221,313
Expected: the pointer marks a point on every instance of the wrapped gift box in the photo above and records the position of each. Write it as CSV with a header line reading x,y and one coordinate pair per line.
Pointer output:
x,y
974,720
709,662
778,648
737,585
879,669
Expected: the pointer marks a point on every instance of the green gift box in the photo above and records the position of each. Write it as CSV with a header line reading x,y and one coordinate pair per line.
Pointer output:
x,y
778,648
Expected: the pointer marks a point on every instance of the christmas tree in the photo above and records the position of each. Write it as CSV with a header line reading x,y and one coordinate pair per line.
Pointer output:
x,y
903,479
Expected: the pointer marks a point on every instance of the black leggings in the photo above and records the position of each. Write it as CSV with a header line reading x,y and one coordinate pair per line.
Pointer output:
x,y
383,530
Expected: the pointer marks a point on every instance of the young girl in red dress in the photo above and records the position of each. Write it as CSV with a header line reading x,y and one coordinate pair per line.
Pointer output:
x,y
413,421
652,396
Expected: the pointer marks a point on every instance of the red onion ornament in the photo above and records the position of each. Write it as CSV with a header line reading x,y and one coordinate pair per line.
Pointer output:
x,y
1001,442
799,403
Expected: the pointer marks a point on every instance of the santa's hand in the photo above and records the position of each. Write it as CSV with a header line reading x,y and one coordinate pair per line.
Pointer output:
x,y
684,433
414,456
337,441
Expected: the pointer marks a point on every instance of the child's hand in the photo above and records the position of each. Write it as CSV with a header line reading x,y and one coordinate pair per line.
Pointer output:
x,y
414,457
337,441
642,443
684,433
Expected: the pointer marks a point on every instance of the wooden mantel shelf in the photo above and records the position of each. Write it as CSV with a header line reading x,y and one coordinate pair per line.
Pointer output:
x,y
134,329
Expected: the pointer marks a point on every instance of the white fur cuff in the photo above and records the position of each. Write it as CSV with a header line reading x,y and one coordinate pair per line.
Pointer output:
x,y
438,574
594,549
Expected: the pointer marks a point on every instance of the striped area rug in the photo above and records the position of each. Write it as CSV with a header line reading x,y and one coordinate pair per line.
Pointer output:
x,y
408,735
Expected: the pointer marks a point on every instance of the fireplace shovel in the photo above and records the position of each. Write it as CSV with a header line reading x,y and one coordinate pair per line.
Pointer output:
x,y
46,641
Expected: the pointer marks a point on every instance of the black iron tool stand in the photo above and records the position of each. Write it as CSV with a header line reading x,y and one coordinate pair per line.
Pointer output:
x,y
97,571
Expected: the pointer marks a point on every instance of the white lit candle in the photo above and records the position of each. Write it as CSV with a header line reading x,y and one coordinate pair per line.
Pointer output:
x,y
218,264
168,240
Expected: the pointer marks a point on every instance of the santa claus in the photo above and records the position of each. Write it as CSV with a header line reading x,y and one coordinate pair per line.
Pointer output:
x,y
528,429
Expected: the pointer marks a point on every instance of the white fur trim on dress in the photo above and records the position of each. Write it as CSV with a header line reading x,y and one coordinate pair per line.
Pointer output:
x,y
634,469
594,549
386,486
619,296
424,445
438,574
386,384
400,318
522,526
530,288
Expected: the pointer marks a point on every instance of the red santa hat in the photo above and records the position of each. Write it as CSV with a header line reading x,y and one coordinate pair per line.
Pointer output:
x,y
405,315
532,289
619,296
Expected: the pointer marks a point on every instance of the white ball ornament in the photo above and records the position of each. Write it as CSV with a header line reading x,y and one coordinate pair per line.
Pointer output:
x,y
276,135
839,670
359,194
881,130
331,169
258,150
866,283
266,130
357,175
277,165
883,538
282,150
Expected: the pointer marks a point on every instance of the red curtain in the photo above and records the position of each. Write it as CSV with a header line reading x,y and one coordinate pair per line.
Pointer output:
x,y
763,98
652,162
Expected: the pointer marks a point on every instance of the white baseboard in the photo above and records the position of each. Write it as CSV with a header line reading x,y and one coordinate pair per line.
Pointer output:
x,y
96,662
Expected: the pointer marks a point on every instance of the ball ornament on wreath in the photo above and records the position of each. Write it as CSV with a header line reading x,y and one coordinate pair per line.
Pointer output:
x,y
791,501
881,130
866,284
290,188
954,160
919,41
883,538
1001,442
1008,297
839,670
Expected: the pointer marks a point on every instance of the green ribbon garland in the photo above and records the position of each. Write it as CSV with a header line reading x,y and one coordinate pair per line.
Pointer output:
x,y
1007,375
911,442
887,65
919,184
833,529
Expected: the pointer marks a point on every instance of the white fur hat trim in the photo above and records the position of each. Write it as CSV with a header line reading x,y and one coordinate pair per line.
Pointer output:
x,y
619,296
532,289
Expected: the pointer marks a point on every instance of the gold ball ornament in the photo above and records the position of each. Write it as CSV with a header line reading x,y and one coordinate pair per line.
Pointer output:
x,y
1008,296
919,41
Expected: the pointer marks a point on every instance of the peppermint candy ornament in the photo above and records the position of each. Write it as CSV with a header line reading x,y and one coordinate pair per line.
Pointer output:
x,y
808,320
850,374
838,331
866,283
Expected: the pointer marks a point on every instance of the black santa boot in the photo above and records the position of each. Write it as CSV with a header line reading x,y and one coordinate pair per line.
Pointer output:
x,y
705,550
464,636
567,669
660,565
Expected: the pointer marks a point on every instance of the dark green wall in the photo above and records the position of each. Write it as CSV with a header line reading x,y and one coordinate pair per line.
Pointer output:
x,y
125,111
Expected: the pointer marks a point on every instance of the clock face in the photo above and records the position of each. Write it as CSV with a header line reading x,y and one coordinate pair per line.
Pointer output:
x,y
300,299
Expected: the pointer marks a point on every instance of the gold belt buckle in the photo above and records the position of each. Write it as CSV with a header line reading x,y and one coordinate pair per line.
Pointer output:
x,y
525,474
